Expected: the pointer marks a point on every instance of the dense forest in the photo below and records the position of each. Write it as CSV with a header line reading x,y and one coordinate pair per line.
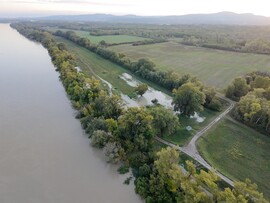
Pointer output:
x,y
127,135
253,93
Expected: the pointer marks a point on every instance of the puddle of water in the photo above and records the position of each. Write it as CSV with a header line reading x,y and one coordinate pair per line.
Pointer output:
x,y
198,118
78,69
149,95
129,80
147,98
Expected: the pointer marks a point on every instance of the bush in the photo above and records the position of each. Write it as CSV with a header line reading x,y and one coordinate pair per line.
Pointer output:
x,y
123,169
100,138
215,105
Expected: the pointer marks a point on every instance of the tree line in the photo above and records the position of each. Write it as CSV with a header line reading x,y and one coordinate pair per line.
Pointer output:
x,y
253,95
149,41
143,67
127,136
146,69
258,46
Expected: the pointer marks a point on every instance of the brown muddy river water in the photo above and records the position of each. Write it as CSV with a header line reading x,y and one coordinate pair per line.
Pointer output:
x,y
44,155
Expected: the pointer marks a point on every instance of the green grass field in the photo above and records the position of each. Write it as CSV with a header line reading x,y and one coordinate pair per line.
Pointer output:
x,y
182,135
91,62
107,38
239,152
214,67
110,38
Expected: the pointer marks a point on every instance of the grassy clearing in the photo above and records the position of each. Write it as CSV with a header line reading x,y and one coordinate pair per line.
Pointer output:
x,y
91,62
182,135
214,67
112,39
239,152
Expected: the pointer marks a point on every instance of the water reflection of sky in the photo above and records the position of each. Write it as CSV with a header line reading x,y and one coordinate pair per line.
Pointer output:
x,y
148,96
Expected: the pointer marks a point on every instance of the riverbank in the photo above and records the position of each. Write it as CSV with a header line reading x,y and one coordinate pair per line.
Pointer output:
x,y
45,156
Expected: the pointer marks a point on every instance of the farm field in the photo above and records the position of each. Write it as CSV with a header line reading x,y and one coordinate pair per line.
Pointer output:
x,y
239,152
110,38
107,38
214,67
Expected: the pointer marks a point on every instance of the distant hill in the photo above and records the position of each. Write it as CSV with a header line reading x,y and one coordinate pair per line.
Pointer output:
x,y
224,18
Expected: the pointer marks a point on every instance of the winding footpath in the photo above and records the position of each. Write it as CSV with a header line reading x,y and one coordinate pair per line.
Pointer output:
x,y
191,148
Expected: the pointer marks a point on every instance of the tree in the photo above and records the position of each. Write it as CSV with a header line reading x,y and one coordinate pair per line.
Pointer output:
x,y
209,179
188,99
237,89
210,94
107,106
192,190
167,176
182,186
114,152
102,43
261,82
94,124
243,192
215,105
266,93
141,89
135,134
164,120
145,64
100,138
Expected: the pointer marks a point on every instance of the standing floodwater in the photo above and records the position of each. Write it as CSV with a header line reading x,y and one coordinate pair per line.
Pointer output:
x,y
44,155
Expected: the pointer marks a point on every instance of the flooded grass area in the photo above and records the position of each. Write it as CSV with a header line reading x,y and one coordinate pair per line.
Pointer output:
x,y
123,82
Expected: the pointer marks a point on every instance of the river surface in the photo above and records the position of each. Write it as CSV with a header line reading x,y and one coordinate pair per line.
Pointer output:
x,y
44,155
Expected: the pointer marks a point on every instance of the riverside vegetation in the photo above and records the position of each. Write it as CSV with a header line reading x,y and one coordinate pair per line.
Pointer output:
x,y
127,135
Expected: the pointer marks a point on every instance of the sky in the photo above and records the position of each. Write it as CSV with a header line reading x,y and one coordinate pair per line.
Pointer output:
x,y
33,8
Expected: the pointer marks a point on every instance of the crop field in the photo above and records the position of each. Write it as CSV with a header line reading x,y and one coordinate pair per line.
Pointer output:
x,y
239,152
214,67
112,39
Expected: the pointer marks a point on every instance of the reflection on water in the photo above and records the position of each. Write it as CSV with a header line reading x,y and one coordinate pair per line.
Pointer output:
x,y
149,96
44,155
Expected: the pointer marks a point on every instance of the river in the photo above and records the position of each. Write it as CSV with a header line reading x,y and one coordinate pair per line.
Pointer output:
x,y
44,155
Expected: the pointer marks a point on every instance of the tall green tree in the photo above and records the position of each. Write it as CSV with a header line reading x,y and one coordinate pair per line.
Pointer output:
x,y
188,99
237,89
165,122
141,89
135,134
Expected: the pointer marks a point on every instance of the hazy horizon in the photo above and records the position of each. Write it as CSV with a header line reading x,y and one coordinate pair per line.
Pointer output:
x,y
39,8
